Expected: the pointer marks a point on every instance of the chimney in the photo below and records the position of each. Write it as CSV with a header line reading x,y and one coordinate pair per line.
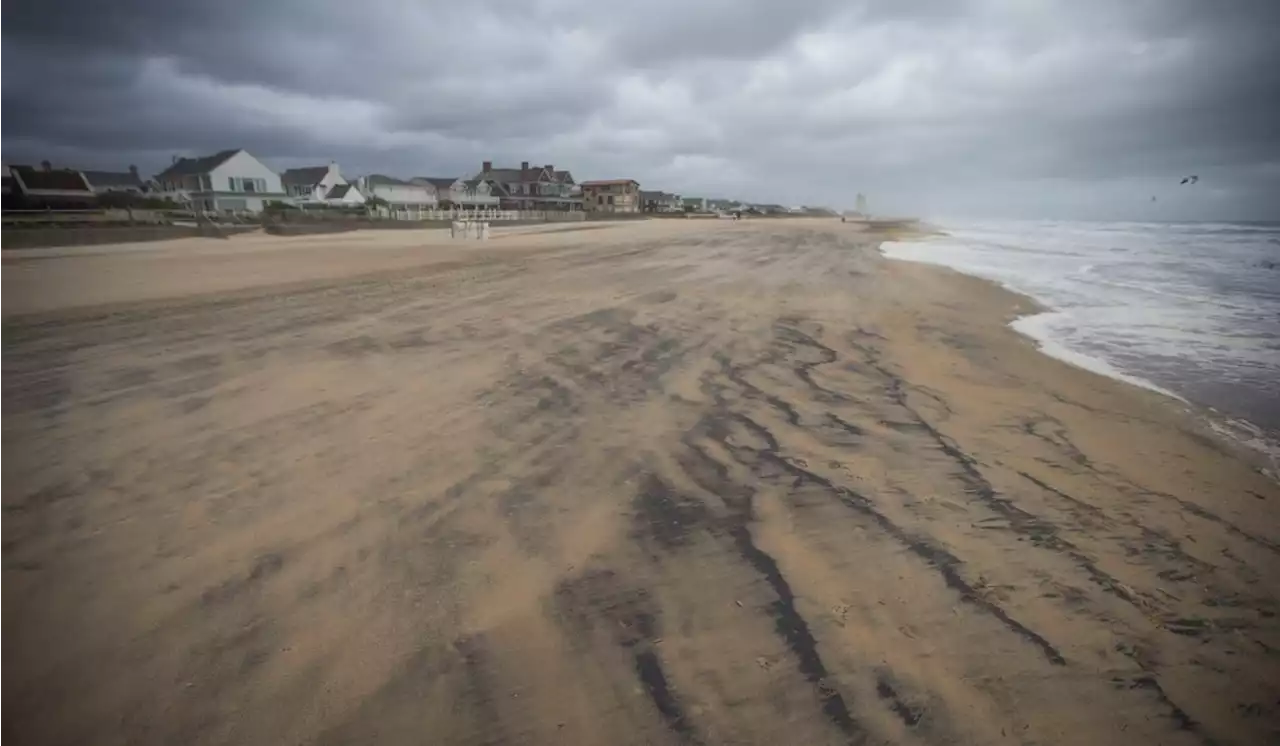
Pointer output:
x,y
46,165
488,166
134,171
550,168
524,165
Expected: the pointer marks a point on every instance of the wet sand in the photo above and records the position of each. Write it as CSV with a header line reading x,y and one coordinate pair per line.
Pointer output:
x,y
669,482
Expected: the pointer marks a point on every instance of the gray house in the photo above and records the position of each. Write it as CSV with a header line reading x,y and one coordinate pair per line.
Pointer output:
x,y
660,202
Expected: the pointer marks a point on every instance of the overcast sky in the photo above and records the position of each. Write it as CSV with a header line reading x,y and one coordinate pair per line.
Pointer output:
x,y
1023,108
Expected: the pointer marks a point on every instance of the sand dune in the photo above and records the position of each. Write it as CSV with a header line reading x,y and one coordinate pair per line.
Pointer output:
x,y
664,482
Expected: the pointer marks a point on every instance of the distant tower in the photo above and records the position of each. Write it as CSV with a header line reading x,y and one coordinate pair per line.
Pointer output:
x,y
862,204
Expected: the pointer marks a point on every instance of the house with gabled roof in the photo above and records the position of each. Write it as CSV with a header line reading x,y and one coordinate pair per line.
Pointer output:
x,y
51,186
311,184
532,188
402,198
455,192
102,182
228,180
344,195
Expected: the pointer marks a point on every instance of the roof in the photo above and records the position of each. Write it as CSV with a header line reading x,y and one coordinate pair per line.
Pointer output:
x,y
389,180
192,166
307,176
113,178
339,191
534,174
439,182
608,182
58,179
506,175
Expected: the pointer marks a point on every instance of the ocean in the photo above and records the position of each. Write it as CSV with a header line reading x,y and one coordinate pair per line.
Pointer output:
x,y
1189,309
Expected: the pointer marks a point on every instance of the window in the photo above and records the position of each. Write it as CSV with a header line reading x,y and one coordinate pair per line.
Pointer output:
x,y
611,199
247,185
599,199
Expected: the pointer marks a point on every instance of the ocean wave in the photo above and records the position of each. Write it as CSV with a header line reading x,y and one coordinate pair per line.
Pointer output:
x,y
1179,308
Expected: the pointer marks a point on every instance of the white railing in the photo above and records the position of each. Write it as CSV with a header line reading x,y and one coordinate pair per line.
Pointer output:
x,y
482,214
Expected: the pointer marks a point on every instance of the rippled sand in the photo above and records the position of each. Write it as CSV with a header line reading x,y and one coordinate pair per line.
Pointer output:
x,y
664,482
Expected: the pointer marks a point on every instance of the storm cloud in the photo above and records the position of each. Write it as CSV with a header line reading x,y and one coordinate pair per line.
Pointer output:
x,y
987,107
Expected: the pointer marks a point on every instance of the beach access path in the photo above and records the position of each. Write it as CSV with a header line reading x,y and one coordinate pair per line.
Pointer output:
x,y
661,482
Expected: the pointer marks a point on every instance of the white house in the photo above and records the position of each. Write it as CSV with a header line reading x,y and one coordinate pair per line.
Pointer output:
x,y
230,180
312,183
460,193
403,198
344,195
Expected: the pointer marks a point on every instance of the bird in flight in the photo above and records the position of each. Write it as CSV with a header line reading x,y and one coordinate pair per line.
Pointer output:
x,y
1190,179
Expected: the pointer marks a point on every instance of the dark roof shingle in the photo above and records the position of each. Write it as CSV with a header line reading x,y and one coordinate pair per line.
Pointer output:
x,y
306,176
533,175
113,178
390,180
58,179
193,166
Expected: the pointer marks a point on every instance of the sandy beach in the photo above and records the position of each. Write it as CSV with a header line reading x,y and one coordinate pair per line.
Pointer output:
x,y
656,482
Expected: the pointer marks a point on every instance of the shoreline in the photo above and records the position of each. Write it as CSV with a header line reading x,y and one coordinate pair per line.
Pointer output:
x,y
1237,430
690,481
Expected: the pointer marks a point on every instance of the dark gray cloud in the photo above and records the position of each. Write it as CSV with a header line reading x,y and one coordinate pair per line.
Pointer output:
x,y
1051,108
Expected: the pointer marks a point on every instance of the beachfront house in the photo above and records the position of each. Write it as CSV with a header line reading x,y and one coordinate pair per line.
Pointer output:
x,y
532,188
694,204
660,202
611,195
102,182
229,180
402,199
312,184
344,195
457,193
50,187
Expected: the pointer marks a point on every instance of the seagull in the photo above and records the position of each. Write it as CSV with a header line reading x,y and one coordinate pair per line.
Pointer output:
x,y
1189,179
